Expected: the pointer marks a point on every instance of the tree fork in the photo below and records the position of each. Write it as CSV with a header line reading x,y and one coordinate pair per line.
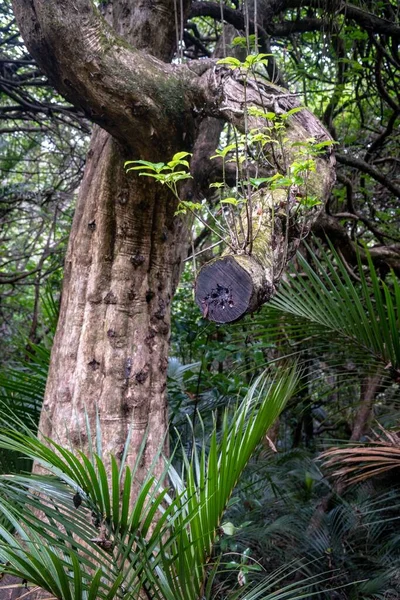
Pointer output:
x,y
116,300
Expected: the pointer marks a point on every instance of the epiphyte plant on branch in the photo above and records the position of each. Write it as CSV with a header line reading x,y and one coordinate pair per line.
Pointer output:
x,y
282,176
166,174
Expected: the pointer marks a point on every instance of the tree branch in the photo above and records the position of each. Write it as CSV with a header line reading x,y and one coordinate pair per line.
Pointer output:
x,y
365,167
236,18
384,257
365,19
140,100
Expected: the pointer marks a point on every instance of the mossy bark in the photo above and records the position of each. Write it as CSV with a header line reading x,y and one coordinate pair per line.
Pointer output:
x,y
239,282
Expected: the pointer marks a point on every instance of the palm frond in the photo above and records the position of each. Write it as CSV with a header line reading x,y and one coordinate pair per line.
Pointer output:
x,y
358,463
320,310
81,519
208,481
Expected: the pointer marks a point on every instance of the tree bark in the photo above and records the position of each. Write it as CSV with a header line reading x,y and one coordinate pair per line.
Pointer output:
x,y
111,347
273,222
110,353
368,390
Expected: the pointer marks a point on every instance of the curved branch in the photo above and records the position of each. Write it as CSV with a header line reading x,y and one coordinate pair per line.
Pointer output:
x,y
379,83
134,96
384,257
365,167
236,18
272,222
148,105
354,216
232,16
380,140
365,19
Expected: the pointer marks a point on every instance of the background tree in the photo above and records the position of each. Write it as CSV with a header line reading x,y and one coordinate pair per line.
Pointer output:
x,y
42,159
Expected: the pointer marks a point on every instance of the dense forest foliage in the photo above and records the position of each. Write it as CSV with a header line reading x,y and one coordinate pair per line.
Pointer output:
x,y
283,426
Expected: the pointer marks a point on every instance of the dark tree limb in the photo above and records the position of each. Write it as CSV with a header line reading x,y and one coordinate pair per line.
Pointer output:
x,y
384,257
355,216
379,82
232,16
364,167
236,18
379,142
367,20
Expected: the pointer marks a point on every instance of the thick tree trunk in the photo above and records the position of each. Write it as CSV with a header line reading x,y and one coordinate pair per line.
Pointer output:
x,y
110,353
111,347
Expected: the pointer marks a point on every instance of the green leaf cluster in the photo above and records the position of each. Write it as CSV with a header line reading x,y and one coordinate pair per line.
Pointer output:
x,y
250,62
